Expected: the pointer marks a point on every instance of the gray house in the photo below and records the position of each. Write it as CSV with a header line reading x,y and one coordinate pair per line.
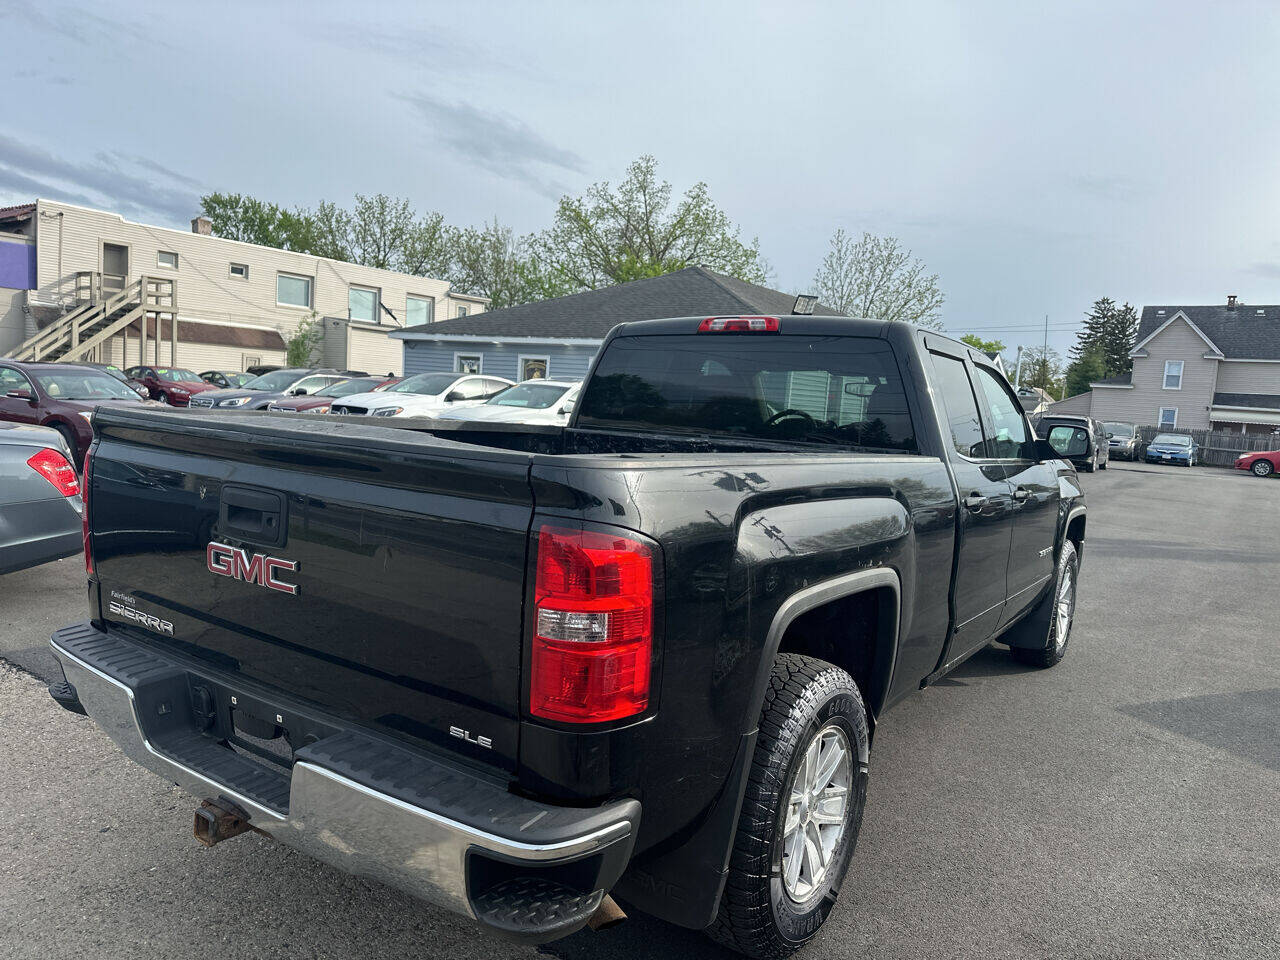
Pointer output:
x,y
558,338
1196,367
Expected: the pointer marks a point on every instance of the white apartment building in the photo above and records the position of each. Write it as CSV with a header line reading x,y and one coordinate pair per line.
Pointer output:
x,y
82,284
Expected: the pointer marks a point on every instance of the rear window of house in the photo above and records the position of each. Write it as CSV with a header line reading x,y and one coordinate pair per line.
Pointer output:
x,y
821,390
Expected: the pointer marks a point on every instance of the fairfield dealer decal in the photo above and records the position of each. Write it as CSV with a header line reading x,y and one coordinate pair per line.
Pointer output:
x,y
238,564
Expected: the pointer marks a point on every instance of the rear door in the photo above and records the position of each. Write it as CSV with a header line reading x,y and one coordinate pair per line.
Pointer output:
x,y
986,506
17,409
380,580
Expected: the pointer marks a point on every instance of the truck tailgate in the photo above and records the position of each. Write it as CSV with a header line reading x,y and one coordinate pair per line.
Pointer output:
x,y
407,554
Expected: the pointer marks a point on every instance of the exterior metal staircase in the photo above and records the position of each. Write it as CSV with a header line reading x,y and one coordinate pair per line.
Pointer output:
x,y
101,314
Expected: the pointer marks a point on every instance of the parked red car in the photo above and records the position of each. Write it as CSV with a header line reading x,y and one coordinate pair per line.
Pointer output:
x,y
1262,463
171,385
319,401
62,396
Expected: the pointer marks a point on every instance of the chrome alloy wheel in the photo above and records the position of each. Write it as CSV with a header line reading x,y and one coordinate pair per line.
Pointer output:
x,y
1066,607
816,812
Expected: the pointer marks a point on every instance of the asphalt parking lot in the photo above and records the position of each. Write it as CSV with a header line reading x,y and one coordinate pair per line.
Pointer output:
x,y
1123,804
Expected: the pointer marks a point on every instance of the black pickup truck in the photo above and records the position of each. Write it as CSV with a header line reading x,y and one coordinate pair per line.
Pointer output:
x,y
512,670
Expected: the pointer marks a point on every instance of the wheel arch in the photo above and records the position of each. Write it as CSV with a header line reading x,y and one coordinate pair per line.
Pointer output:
x,y
872,663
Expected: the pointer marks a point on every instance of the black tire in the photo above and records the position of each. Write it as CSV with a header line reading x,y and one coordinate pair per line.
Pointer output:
x,y
1055,645
163,398
1262,468
807,699
1103,464
1092,464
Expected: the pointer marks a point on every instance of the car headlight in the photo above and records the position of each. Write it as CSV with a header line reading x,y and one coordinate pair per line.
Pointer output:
x,y
388,411
234,402
87,414
317,410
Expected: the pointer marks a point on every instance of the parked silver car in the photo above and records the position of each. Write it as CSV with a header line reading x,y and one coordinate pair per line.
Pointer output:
x,y
40,507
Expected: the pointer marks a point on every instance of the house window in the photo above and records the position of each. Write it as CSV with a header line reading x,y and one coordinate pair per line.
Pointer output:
x,y
462,311
1173,374
419,310
167,258
534,368
292,290
240,271
362,304
1168,418
467,362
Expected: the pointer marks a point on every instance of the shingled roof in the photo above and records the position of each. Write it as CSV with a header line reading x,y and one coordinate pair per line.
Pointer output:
x,y
1241,331
693,291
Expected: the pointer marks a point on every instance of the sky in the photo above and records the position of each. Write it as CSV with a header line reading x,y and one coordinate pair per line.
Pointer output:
x,y
1036,158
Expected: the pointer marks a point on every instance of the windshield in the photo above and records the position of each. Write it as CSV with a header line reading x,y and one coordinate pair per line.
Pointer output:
x,y
1119,429
180,376
430,383
81,384
787,389
1172,439
347,387
531,396
274,382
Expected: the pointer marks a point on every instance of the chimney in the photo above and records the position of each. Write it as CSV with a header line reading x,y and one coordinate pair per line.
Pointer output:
x,y
204,227
1231,301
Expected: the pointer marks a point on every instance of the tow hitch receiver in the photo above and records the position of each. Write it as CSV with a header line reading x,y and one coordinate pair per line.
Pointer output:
x,y
218,820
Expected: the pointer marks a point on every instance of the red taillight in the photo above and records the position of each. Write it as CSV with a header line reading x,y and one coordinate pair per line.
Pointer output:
x,y
739,325
57,469
592,626
84,520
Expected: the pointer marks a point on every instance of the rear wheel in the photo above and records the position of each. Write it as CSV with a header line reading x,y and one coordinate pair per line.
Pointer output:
x,y
1061,614
801,813
1262,468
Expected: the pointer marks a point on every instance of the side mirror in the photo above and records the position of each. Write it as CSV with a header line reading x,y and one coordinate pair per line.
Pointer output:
x,y
453,396
298,392
20,395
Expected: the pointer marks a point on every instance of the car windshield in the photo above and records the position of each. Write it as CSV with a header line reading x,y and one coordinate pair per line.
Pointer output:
x,y
531,396
1172,440
428,383
179,376
81,384
274,382
1119,429
347,387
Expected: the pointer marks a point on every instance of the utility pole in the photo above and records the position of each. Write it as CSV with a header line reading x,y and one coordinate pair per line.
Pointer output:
x,y
1017,369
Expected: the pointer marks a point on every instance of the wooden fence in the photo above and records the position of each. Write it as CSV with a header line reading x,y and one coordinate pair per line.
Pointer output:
x,y
1218,448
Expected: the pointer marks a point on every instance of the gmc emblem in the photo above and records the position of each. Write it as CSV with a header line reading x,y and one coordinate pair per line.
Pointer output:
x,y
238,564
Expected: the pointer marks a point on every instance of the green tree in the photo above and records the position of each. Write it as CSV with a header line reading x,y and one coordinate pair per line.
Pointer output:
x,y
614,234
1108,334
1043,368
877,277
1084,371
986,346
490,261
301,346
239,217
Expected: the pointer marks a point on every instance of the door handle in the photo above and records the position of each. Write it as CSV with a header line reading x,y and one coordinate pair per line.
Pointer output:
x,y
975,501
1021,493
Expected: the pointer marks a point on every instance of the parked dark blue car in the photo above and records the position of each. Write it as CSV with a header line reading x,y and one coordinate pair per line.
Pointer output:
x,y
1172,448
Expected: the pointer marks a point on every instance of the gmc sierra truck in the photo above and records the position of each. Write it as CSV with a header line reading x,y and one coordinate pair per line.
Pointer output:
x,y
518,671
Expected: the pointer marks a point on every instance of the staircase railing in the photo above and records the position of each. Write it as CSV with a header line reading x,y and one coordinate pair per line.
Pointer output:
x,y
76,334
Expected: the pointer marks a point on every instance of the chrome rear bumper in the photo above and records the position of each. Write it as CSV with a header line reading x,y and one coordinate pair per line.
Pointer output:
x,y
435,830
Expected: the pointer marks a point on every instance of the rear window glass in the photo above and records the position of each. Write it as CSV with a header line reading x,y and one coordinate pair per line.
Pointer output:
x,y
801,389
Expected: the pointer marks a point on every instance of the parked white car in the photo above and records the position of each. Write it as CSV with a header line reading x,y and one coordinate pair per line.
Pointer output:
x,y
534,401
423,395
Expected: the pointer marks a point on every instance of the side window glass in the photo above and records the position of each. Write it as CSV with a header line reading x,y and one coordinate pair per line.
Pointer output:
x,y
472,389
961,406
1009,429
11,379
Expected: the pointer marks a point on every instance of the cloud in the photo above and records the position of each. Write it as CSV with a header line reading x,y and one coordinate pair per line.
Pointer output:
x,y
1110,189
501,144
403,41
1264,269
30,168
79,24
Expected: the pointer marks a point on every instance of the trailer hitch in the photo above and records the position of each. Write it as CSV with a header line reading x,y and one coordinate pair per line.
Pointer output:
x,y
218,820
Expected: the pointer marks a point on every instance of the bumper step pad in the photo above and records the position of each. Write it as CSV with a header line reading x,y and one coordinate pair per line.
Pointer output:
x,y
534,905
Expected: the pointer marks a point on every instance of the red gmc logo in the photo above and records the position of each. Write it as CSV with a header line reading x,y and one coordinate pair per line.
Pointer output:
x,y
238,564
